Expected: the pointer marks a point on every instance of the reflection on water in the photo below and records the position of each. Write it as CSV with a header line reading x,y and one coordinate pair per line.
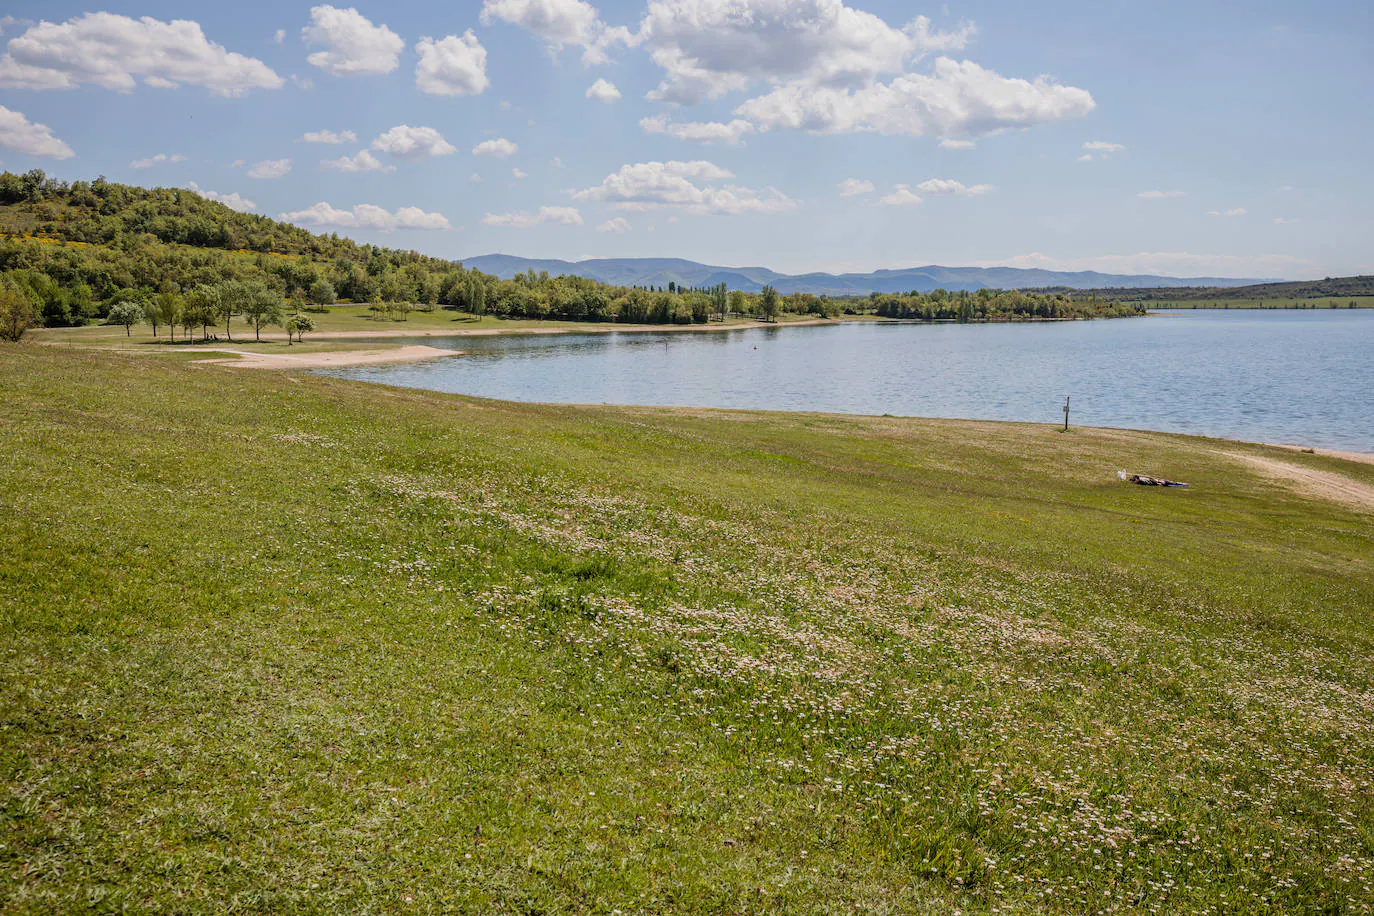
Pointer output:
x,y
1292,376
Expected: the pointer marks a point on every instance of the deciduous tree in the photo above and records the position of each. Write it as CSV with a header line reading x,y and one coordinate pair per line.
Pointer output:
x,y
127,314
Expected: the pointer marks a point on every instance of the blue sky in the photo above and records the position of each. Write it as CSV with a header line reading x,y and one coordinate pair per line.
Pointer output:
x,y
1182,138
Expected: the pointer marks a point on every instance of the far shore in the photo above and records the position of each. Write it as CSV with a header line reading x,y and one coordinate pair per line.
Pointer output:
x,y
572,328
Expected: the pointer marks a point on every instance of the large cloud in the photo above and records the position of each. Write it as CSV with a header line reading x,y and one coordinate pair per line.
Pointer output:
x,y
958,99
710,47
352,44
366,216
413,143
690,186
452,66
111,51
24,136
829,68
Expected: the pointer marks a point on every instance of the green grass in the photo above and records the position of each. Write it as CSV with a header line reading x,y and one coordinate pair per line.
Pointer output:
x,y
283,643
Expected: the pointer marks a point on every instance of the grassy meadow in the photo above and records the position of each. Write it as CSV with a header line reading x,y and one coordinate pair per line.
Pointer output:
x,y
276,642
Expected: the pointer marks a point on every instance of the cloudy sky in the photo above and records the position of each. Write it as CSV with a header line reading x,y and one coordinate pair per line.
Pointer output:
x,y
1188,138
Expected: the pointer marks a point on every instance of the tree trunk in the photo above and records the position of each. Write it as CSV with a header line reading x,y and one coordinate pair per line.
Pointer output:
x,y
128,331
227,333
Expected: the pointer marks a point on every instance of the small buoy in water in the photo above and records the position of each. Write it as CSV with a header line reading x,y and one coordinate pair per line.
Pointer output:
x,y
756,348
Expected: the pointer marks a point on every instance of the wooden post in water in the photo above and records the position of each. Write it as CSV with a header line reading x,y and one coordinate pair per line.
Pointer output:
x,y
1066,413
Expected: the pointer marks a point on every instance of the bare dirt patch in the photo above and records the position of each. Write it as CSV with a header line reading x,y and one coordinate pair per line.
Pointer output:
x,y
1327,485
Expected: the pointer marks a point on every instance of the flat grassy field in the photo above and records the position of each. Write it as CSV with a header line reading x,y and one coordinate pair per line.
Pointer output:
x,y
274,642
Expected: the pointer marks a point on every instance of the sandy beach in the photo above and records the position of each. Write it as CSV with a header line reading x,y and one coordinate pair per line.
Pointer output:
x,y
243,359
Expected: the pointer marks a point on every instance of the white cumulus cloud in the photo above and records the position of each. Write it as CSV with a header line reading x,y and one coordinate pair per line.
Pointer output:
x,y
352,44
603,90
270,168
853,187
707,48
700,131
948,143
948,186
328,136
901,196
615,224
452,66
366,216
20,134
233,201
413,143
159,159
693,187
559,23
956,98
1238,211
113,51
500,147
1101,146
522,219
363,162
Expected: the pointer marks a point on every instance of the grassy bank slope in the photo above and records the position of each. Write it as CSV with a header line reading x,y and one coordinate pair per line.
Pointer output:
x,y
297,644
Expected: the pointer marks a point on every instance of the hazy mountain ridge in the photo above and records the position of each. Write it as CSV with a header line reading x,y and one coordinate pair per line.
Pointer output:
x,y
662,271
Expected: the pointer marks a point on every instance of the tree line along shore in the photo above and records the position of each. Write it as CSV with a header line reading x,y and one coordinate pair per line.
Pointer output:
x,y
72,253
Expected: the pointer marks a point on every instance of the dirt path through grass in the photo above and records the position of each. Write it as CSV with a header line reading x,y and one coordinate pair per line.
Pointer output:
x,y
1319,484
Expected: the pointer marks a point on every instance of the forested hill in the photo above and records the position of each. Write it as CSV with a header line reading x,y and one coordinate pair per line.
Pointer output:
x,y
71,252
151,232
662,271
1329,288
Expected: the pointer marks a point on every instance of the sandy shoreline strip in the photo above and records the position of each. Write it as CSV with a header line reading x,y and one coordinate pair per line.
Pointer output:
x,y
242,359
1362,457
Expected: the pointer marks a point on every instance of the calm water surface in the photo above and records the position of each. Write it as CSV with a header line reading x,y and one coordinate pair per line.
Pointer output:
x,y
1286,376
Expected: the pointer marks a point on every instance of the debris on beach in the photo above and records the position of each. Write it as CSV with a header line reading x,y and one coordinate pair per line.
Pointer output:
x,y
1146,481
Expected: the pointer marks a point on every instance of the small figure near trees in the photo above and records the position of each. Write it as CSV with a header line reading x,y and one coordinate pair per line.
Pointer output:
x,y
127,314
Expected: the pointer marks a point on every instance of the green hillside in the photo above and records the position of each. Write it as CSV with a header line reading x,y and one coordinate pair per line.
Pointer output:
x,y
278,643
1337,289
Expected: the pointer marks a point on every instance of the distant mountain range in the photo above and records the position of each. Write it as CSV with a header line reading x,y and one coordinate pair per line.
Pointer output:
x,y
662,271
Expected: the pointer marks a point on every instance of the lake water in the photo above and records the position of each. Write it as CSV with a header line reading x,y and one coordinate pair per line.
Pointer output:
x,y
1275,376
